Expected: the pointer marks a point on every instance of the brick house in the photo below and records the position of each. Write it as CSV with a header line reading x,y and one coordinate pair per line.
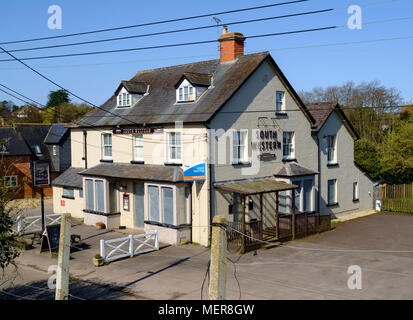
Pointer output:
x,y
23,145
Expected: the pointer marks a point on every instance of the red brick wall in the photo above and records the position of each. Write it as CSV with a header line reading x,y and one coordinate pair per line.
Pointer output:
x,y
20,166
231,46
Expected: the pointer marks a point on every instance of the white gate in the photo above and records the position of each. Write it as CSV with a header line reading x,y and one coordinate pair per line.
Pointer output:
x,y
31,224
129,246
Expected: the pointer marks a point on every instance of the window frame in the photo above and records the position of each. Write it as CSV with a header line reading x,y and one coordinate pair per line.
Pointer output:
x,y
182,96
243,143
178,146
331,149
282,109
355,191
135,139
335,193
291,155
11,178
105,157
124,100
95,198
71,194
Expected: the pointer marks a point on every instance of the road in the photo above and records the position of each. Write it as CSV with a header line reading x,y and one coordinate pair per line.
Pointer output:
x,y
30,284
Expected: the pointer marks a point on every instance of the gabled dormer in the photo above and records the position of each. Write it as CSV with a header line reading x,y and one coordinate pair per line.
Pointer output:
x,y
191,86
129,92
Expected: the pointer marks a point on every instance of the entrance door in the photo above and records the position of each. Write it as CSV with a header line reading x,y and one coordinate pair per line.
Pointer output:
x,y
138,200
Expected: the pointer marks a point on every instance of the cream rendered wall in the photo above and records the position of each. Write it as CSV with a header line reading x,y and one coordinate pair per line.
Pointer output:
x,y
193,141
194,150
74,207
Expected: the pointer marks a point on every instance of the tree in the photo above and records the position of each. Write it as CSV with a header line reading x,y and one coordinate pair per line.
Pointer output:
x,y
370,106
367,155
397,152
9,244
57,97
65,113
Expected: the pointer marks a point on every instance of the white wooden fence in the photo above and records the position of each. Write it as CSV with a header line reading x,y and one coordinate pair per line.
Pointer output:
x,y
129,246
31,224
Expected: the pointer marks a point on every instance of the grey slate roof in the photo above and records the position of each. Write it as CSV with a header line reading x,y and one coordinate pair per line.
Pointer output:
x,y
133,87
70,178
35,135
320,112
15,144
251,187
159,106
293,169
136,172
55,134
197,79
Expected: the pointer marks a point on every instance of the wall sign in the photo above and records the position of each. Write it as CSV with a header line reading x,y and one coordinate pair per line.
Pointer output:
x,y
195,172
268,144
41,173
125,202
62,203
136,131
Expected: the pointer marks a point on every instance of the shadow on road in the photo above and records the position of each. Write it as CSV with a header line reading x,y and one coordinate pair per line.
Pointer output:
x,y
78,290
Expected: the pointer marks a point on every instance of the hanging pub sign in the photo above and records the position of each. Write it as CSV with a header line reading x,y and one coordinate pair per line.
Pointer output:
x,y
136,131
41,173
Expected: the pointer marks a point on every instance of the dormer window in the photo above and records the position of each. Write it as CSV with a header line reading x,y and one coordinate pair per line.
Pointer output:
x,y
129,93
191,86
186,94
124,100
37,149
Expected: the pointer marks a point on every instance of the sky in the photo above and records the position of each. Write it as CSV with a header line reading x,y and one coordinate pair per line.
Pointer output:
x,y
301,57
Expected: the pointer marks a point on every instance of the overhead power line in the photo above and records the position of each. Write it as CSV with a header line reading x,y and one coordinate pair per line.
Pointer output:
x,y
156,22
165,45
58,85
171,31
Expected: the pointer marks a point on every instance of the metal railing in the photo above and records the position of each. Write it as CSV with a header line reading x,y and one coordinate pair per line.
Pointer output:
x,y
129,246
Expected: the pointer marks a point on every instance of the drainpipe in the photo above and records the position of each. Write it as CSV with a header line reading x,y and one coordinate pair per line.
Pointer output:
x,y
319,174
211,185
85,147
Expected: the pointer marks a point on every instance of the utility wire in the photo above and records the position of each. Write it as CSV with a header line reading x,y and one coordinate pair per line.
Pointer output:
x,y
171,31
163,46
157,22
58,85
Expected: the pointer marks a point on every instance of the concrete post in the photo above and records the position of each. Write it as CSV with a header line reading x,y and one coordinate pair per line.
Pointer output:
x,y
218,267
131,245
62,280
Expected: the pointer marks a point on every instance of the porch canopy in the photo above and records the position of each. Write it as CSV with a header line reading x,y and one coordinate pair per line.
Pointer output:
x,y
128,171
254,187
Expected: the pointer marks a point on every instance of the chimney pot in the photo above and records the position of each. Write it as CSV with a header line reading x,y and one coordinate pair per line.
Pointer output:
x,y
231,45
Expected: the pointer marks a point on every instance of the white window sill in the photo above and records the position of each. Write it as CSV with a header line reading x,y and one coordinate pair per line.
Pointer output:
x,y
289,158
241,162
332,163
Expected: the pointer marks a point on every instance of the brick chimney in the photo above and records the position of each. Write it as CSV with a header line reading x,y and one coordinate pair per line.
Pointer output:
x,y
231,45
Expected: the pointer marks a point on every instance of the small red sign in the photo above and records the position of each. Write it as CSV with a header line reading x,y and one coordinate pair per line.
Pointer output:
x,y
62,203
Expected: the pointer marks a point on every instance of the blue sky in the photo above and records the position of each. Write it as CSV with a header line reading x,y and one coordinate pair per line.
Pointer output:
x,y
96,77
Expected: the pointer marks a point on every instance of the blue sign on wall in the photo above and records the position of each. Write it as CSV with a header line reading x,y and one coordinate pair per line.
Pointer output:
x,y
195,172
